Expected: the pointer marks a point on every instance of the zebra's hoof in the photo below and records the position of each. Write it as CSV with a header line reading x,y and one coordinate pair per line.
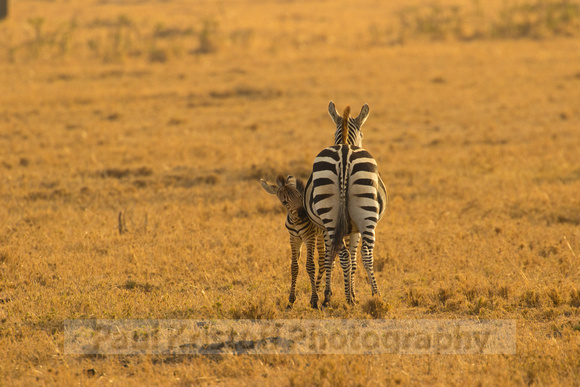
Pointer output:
x,y
314,304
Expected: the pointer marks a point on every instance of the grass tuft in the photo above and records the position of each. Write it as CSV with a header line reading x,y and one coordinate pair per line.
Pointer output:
x,y
262,308
575,298
554,296
415,298
376,307
531,299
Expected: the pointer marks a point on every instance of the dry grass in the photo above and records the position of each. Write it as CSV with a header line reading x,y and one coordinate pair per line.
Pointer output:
x,y
169,113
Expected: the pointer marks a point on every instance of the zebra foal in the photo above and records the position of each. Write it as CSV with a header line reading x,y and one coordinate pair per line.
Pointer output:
x,y
346,197
290,192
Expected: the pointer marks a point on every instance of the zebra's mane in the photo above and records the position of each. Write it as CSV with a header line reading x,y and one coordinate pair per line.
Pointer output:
x,y
345,116
280,180
300,186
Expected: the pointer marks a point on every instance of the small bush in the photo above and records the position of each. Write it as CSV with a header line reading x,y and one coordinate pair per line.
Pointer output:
x,y
208,37
157,55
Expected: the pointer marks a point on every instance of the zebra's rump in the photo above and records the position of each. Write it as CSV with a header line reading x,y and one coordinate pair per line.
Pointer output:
x,y
344,175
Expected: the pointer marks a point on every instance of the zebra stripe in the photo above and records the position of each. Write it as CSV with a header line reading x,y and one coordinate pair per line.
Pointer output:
x,y
302,230
346,196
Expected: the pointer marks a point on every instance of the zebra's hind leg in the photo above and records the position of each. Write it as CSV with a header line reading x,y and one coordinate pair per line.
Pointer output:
x,y
295,244
311,270
328,264
353,245
345,262
367,258
321,257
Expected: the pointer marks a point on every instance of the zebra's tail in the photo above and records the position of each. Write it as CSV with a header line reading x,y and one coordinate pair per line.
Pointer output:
x,y
345,116
342,226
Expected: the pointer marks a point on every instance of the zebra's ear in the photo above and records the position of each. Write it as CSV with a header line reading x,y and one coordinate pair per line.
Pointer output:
x,y
364,113
270,188
291,181
334,114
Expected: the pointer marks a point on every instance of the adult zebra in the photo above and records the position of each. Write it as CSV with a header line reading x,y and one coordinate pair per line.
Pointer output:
x,y
346,196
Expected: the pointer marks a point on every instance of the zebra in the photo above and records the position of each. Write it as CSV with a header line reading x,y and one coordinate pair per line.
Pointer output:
x,y
290,192
346,196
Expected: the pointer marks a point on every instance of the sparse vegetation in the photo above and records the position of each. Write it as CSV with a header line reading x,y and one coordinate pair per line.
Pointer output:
x,y
537,19
130,167
533,19
208,37
114,39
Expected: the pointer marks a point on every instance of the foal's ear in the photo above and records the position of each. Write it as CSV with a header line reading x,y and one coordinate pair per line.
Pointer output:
x,y
291,181
334,113
270,188
362,117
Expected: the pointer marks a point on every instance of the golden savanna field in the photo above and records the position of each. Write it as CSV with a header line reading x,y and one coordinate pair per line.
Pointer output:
x,y
133,136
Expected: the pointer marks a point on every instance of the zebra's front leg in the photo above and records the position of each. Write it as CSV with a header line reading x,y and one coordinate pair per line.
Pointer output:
x,y
311,270
367,258
295,244
353,245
